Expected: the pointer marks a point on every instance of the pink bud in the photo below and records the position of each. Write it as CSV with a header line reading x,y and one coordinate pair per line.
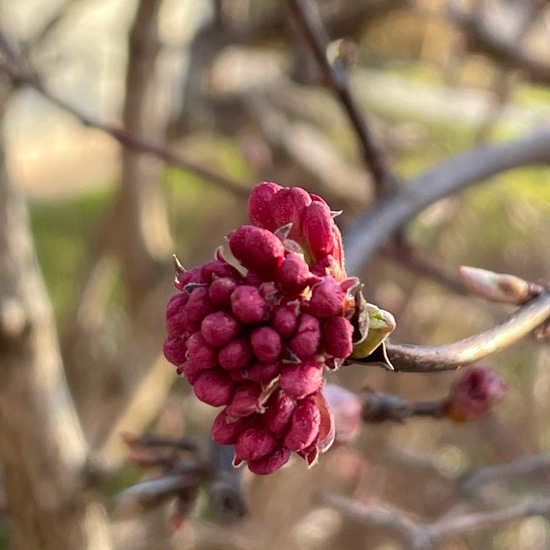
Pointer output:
x,y
329,266
220,291
299,381
259,204
327,298
319,230
174,350
225,431
246,401
337,337
270,463
175,313
214,387
264,373
294,274
198,306
192,370
257,249
219,328
254,443
284,318
192,275
218,268
289,206
266,344
346,409
304,425
307,338
200,353
278,412
248,305
236,354
474,394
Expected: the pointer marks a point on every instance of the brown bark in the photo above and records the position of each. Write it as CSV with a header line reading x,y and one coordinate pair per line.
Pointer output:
x,y
41,444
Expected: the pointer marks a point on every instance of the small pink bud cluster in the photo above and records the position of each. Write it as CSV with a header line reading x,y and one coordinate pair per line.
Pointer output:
x,y
474,394
256,338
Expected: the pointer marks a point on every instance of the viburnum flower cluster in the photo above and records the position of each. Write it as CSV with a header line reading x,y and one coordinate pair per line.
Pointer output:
x,y
256,335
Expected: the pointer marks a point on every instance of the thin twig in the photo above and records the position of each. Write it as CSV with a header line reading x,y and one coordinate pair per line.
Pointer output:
x,y
532,467
501,49
424,537
20,73
405,255
412,358
459,172
311,25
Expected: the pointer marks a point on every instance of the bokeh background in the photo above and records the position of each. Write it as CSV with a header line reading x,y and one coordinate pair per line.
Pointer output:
x,y
231,86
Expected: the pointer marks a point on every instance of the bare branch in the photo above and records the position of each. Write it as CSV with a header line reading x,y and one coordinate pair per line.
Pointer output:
x,y
409,358
533,467
501,48
311,25
412,358
465,169
424,537
20,73
42,447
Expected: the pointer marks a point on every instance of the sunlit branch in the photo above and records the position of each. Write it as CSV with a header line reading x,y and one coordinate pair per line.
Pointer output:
x,y
21,74
411,358
375,226
500,47
532,467
425,537
311,25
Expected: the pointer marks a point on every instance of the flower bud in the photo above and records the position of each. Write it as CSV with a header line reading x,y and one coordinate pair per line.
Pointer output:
x,y
346,408
264,373
235,355
257,249
294,274
319,230
253,444
266,344
191,276
248,305
220,291
327,298
270,463
175,314
278,412
219,328
284,318
259,204
198,306
304,425
225,430
214,387
216,269
299,381
307,338
174,350
289,206
200,353
329,266
474,394
246,401
337,337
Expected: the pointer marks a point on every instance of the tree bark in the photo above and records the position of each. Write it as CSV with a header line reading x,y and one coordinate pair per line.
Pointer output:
x,y
41,444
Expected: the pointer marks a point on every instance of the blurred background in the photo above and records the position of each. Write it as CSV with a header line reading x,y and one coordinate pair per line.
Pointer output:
x,y
232,88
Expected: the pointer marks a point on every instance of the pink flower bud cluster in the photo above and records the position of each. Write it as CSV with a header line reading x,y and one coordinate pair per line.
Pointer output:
x,y
256,337
474,394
